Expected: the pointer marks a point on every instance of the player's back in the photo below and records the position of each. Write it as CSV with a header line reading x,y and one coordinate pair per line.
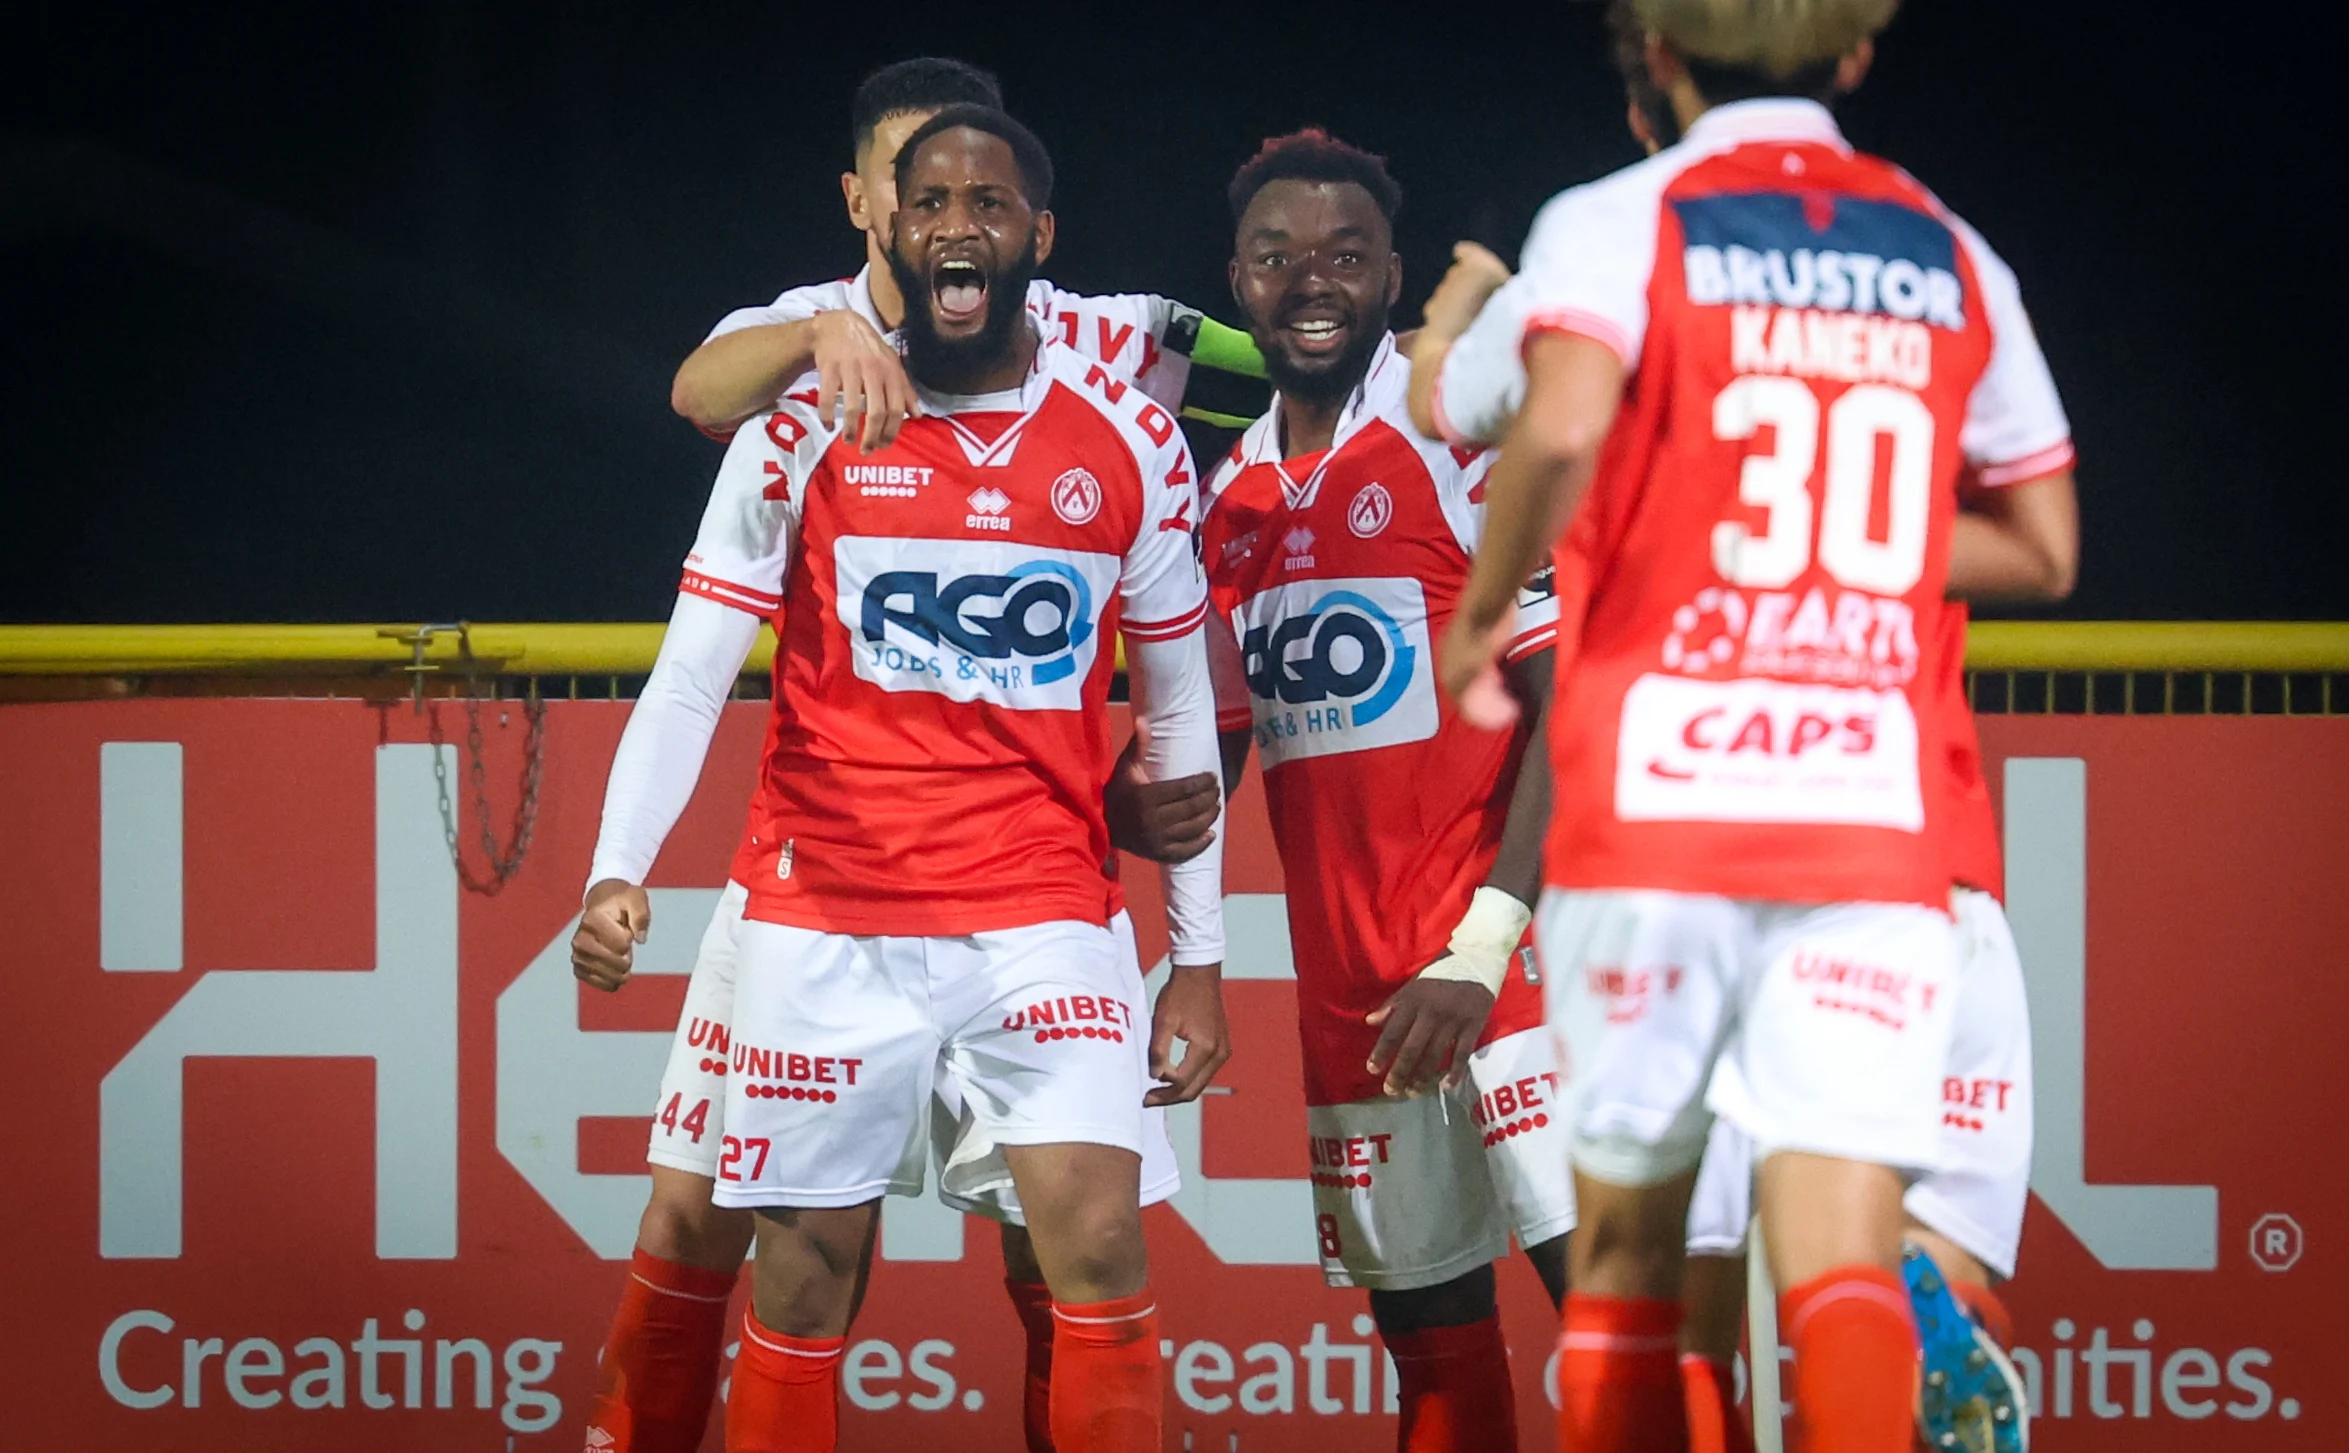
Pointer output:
x,y
943,665
1815,346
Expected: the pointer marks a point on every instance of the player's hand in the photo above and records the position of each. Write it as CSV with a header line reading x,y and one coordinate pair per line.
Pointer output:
x,y
861,383
1429,1026
614,922
1468,664
1475,275
1189,1008
1167,822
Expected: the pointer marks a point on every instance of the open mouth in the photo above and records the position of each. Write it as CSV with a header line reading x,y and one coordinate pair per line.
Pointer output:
x,y
1315,334
960,287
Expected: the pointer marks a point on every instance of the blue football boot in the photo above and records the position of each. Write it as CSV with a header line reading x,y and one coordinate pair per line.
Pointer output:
x,y
1972,1399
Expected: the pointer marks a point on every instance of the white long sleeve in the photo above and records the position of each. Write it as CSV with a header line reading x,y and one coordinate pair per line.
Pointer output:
x,y
1174,714
668,734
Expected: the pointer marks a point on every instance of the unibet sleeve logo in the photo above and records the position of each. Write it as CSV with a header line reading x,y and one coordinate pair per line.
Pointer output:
x,y
1018,626
1338,666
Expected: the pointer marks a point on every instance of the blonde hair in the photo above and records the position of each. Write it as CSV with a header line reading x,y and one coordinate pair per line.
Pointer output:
x,y
1775,38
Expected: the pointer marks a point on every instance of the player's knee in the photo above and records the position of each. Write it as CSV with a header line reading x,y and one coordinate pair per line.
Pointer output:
x,y
1460,1302
807,1272
1627,1243
1101,1253
681,1224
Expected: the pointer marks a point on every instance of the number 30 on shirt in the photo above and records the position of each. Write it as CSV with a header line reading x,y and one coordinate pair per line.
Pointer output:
x,y
1856,427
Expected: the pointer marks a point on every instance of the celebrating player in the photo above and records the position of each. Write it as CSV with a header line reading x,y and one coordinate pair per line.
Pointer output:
x,y
837,328
1336,541
1764,359
936,903
661,1361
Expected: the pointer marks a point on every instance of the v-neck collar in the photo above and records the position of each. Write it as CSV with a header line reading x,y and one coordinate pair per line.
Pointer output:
x,y
1380,390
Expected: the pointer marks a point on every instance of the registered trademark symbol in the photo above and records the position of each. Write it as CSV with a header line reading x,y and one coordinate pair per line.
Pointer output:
x,y
2276,1242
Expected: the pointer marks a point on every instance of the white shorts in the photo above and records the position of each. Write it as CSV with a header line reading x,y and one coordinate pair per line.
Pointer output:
x,y
839,1040
1811,1027
1976,1196
1412,1193
689,1117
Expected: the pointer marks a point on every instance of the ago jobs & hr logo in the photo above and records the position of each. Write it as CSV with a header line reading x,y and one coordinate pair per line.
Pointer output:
x,y
1338,666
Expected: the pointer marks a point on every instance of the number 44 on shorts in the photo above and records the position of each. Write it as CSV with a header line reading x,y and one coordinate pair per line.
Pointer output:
x,y
695,1119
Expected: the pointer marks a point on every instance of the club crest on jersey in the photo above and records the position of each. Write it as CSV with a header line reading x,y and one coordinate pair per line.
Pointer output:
x,y
1337,666
1370,510
974,620
1076,496
989,509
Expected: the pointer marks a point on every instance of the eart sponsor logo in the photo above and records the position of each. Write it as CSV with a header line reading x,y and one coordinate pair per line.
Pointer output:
x,y
1811,250
974,620
1337,666
1767,751
1843,637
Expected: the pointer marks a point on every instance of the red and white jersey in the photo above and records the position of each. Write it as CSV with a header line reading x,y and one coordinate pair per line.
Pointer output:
x,y
1974,857
1332,575
1814,347
941,739
1128,333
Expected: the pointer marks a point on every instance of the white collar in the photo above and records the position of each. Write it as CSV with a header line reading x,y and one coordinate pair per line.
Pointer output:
x,y
1023,400
1379,392
860,300
1765,118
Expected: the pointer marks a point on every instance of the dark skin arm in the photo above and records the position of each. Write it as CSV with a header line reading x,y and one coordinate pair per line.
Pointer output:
x,y
1167,822
1431,1026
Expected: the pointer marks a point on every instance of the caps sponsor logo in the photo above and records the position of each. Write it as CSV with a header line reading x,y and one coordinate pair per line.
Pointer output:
x,y
1076,496
1370,510
1756,750
1337,666
975,620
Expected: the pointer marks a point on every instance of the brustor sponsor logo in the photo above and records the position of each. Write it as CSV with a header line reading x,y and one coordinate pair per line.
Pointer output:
x,y
1831,281
1076,496
1370,510
988,505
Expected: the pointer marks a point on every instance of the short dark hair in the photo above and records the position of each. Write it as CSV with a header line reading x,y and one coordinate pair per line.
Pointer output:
x,y
1313,155
923,83
1035,163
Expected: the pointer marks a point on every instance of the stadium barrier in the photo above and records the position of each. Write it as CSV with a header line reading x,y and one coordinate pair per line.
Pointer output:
x,y
323,1149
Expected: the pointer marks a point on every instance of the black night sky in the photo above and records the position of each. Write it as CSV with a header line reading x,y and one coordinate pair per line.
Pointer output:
x,y
367,311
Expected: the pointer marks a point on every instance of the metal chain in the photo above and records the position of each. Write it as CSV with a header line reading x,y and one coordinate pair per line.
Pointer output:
x,y
503,864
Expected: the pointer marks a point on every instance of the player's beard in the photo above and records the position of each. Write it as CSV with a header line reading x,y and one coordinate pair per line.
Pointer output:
x,y
1328,380
940,361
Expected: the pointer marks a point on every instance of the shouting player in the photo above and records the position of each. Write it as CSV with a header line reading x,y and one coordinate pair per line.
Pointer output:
x,y
838,328
1336,542
661,1361
1743,377
937,905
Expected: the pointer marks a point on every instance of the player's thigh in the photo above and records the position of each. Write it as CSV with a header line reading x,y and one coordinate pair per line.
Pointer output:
x,y
1518,1109
973,1175
828,1088
1975,1197
1401,1195
1042,1026
1642,988
1846,1033
689,1117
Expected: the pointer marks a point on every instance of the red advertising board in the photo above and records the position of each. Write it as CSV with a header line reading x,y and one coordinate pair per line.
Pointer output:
x,y
311,1148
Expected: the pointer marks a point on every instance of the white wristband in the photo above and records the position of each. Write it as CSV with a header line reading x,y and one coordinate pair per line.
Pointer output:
x,y
1488,934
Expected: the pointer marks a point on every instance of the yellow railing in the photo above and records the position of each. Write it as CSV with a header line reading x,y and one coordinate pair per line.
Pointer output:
x,y
569,649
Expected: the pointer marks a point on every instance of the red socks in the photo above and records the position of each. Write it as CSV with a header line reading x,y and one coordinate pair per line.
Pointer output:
x,y
786,1392
1619,1376
1709,1389
1453,1387
1106,1395
1855,1362
1988,1312
1033,1301
660,1362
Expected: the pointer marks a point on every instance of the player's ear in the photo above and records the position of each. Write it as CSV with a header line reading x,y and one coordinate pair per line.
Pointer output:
x,y
1853,68
1394,278
852,191
1231,271
1044,232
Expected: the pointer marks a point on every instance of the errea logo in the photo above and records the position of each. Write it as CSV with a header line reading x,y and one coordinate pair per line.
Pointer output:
x,y
988,506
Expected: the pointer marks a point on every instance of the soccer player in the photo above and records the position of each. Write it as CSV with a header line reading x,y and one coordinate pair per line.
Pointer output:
x,y
662,1359
838,328
1336,540
936,904
1742,378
